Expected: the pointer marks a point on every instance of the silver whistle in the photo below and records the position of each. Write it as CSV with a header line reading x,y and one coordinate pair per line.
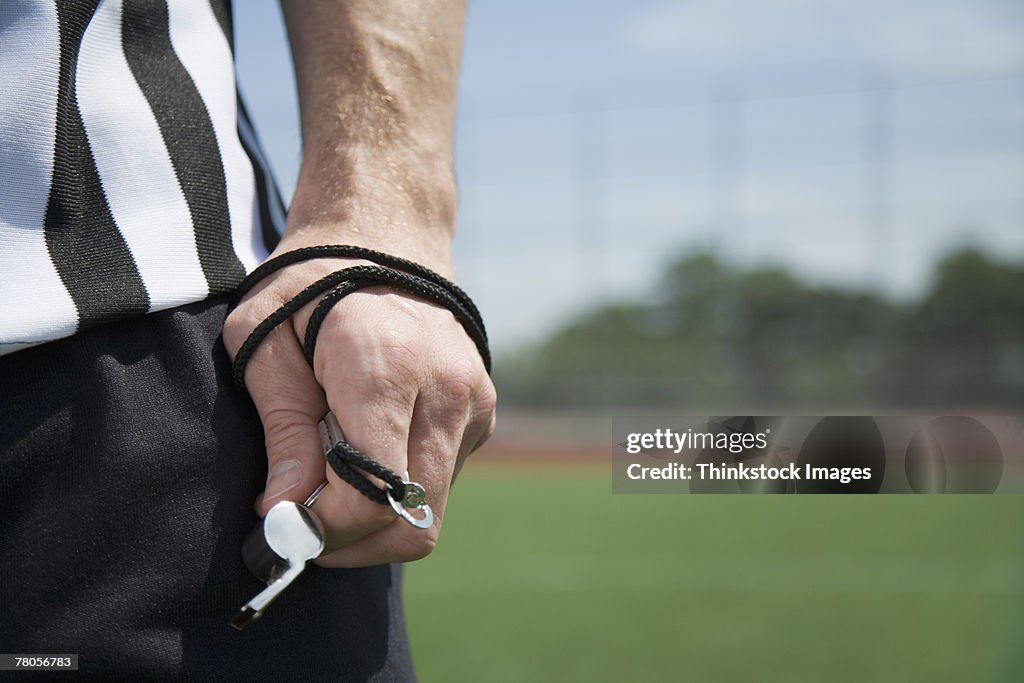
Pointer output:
x,y
290,535
277,551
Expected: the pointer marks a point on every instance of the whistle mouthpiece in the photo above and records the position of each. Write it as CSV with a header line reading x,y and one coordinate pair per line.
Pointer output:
x,y
245,616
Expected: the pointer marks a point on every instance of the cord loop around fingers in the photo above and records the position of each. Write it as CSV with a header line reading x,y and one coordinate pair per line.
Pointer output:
x,y
348,463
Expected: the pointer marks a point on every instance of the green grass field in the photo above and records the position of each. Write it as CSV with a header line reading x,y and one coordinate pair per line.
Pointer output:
x,y
549,577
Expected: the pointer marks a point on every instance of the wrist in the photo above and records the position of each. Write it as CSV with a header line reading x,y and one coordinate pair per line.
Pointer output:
x,y
403,216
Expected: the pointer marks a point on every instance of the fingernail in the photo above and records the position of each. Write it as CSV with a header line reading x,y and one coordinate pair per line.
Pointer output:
x,y
286,475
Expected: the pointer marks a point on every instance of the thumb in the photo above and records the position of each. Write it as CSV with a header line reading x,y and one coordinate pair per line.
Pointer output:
x,y
295,461
290,403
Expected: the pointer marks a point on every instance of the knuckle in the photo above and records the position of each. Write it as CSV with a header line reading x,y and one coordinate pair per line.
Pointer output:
x,y
237,327
458,381
488,430
241,321
486,400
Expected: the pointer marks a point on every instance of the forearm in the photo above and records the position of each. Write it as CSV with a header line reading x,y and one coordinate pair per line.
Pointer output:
x,y
377,83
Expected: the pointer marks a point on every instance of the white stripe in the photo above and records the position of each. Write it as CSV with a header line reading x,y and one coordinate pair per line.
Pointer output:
x,y
204,51
135,168
248,136
34,304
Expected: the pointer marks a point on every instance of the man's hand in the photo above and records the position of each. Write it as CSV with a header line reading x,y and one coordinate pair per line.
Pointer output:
x,y
407,385
377,82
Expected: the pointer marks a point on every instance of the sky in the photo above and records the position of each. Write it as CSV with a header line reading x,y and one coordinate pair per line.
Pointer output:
x,y
596,141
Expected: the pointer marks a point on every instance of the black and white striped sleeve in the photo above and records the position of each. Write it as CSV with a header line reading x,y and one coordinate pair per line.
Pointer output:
x,y
131,177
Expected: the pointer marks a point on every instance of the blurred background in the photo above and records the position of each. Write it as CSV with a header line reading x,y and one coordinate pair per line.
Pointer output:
x,y
742,207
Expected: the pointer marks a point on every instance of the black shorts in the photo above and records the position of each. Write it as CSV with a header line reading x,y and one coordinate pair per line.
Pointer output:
x,y
128,468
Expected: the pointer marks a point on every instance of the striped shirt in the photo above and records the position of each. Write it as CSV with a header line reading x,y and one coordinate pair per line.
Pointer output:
x,y
130,177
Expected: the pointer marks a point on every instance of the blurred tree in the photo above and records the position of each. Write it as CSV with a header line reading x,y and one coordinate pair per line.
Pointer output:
x,y
964,342
714,336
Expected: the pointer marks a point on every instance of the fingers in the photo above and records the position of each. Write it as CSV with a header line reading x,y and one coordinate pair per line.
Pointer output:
x,y
408,388
372,393
377,424
371,373
453,415
432,457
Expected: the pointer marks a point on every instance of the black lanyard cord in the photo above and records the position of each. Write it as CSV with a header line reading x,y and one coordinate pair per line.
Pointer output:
x,y
348,251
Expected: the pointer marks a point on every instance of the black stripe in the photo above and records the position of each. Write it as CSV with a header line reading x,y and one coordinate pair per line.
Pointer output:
x,y
89,253
188,134
222,10
266,188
